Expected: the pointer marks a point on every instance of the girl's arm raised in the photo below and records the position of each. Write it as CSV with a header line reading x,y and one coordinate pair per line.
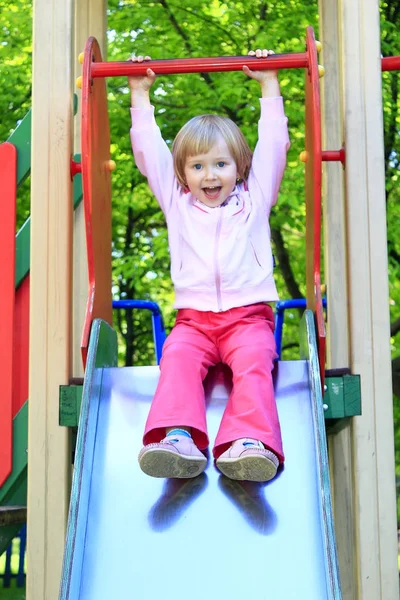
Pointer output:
x,y
152,155
269,158
268,80
140,86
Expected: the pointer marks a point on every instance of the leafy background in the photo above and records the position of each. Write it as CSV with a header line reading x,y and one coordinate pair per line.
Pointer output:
x,y
168,29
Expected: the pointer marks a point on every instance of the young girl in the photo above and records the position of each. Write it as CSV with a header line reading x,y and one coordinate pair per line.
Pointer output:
x,y
216,198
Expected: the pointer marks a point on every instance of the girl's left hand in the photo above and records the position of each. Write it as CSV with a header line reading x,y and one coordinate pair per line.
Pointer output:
x,y
264,75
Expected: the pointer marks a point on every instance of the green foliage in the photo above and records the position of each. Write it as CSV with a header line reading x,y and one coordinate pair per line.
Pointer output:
x,y
390,44
15,77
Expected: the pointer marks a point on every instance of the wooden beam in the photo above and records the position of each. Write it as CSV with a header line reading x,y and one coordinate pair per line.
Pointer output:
x,y
335,253
374,498
50,310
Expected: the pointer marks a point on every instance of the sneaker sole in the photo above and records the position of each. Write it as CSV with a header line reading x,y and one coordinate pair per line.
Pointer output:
x,y
163,463
247,468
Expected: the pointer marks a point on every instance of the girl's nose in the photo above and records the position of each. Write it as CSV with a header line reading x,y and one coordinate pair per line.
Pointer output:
x,y
210,174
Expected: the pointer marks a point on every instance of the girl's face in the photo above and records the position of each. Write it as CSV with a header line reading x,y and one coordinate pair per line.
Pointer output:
x,y
212,176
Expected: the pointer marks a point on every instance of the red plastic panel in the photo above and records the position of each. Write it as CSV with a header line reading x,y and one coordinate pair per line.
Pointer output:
x,y
8,183
313,195
96,184
21,347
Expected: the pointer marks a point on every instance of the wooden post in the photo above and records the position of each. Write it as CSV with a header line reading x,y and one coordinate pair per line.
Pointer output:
x,y
335,254
49,461
90,19
363,455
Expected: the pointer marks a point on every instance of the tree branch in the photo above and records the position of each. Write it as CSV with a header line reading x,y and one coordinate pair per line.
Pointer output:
x,y
204,18
395,327
206,76
396,376
284,264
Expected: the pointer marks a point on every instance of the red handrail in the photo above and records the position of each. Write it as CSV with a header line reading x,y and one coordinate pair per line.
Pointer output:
x,y
391,63
198,65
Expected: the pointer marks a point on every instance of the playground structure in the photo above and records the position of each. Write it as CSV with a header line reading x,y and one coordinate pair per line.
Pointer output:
x,y
358,337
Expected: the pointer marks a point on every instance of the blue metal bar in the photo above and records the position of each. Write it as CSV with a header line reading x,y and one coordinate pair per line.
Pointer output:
x,y
7,571
280,307
159,334
21,565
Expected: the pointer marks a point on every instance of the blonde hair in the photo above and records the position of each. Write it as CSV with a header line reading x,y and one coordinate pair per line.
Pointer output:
x,y
199,134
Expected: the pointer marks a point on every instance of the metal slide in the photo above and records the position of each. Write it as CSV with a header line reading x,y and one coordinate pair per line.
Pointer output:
x,y
132,536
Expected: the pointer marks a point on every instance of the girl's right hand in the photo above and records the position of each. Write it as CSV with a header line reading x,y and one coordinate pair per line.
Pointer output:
x,y
141,82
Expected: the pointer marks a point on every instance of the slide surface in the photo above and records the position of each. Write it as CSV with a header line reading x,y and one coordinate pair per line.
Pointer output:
x,y
133,536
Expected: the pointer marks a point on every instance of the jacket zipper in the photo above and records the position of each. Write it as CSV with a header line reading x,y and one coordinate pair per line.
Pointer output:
x,y
216,261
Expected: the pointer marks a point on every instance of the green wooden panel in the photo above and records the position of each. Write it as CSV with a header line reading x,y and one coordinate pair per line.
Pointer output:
x,y
352,395
21,138
107,345
78,195
20,456
334,398
14,490
70,405
23,239
342,397
22,256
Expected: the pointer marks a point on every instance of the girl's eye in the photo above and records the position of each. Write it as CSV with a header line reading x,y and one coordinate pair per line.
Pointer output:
x,y
197,167
221,163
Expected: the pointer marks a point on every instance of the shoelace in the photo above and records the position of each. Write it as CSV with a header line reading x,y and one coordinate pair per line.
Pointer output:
x,y
169,440
256,444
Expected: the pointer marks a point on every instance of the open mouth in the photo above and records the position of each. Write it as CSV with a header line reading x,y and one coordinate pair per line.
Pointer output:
x,y
212,192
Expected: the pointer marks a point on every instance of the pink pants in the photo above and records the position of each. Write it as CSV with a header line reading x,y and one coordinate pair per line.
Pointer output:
x,y
243,339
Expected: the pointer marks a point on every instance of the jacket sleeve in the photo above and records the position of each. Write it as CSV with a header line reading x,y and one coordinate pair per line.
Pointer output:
x,y
153,157
269,158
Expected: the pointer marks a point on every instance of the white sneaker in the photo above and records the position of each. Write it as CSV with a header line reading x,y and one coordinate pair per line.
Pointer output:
x,y
175,456
248,460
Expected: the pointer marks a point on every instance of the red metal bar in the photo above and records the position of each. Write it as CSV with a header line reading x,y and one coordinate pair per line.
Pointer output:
x,y
199,65
391,63
334,155
313,197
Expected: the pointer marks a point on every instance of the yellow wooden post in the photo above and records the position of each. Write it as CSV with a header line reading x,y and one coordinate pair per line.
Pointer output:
x,y
363,454
49,456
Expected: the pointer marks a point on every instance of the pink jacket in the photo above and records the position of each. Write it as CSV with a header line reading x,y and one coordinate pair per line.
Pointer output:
x,y
220,257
